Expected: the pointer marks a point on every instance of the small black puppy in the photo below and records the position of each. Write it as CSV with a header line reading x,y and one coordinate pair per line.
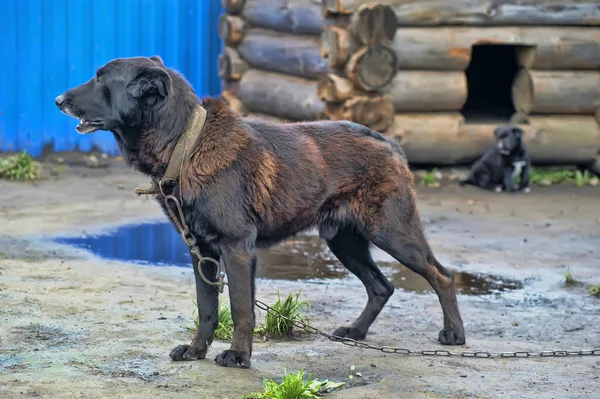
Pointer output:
x,y
500,164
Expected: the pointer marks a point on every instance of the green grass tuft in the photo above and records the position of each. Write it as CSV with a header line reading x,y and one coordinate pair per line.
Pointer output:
x,y
594,291
552,176
224,330
569,279
20,167
431,178
290,308
293,386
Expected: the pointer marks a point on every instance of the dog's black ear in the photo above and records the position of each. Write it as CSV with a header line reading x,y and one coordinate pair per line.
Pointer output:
x,y
158,60
518,132
151,81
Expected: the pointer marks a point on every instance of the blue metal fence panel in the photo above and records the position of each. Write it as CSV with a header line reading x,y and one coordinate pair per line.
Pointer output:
x,y
48,46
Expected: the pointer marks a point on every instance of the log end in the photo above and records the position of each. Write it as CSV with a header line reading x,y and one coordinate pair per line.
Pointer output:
x,y
231,29
522,92
371,68
233,6
376,113
231,65
332,8
335,89
336,46
234,102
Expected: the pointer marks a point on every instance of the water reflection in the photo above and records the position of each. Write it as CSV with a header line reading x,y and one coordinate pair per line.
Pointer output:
x,y
304,257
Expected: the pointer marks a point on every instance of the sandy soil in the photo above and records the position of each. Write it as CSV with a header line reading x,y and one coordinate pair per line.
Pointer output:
x,y
76,326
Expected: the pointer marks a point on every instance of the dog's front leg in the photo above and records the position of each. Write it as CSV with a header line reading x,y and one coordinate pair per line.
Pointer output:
x,y
240,264
525,176
507,180
207,298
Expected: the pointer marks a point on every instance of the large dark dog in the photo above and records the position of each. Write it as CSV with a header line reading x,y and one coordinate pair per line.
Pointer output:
x,y
501,163
250,184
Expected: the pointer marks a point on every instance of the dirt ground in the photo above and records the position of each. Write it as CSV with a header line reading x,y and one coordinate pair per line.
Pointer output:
x,y
77,326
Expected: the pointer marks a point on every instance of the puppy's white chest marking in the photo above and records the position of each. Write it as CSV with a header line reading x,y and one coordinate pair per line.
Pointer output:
x,y
518,167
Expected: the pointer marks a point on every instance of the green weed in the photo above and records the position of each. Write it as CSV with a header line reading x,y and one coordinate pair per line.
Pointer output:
x,y
431,178
594,291
569,279
551,176
289,308
225,329
20,167
293,386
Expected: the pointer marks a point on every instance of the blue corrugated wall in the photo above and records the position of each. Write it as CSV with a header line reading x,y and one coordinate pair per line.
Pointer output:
x,y
48,46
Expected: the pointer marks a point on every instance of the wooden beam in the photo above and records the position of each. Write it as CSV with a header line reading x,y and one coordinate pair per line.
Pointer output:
x,y
496,12
427,91
449,48
282,95
292,16
445,139
557,92
282,52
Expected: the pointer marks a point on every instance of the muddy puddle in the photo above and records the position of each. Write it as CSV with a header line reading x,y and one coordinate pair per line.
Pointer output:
x,y
305,257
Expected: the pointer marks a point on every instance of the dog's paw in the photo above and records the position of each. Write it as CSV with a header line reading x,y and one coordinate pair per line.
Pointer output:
x,y
498,189
231,358
186,352
527,190
350,332
450,337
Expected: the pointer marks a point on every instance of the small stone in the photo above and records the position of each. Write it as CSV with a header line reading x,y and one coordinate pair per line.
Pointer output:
x,y
515,324
594,181
92,161
463,376
103,156
120,186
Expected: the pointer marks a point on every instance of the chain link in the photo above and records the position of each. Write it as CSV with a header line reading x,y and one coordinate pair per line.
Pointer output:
x,y
190,241
424,352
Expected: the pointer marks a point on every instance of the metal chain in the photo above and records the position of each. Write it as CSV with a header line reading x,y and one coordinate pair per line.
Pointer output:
x,y
425,352
190,241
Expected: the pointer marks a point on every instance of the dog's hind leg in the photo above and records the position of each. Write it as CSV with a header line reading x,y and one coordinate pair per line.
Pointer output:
x,y
400,233
352,249
207,298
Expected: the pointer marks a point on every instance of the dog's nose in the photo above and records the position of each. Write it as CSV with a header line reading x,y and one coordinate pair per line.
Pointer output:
x,y
59,100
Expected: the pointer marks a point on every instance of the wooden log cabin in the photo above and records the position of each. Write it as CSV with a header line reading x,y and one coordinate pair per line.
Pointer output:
x,y
437,75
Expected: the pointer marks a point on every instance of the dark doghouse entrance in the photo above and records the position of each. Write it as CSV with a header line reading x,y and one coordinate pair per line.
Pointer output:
x,y
490,76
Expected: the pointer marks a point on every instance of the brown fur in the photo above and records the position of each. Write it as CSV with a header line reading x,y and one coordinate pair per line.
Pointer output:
x,y
250,184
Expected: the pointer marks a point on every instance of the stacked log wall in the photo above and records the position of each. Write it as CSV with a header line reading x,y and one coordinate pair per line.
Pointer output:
x,y
399,67
273,63
556,92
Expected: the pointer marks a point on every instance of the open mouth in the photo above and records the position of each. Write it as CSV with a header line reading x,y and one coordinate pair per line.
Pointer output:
x,y
85,126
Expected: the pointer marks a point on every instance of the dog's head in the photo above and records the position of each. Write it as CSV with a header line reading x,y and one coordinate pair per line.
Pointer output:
x,y
508,139
116,97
